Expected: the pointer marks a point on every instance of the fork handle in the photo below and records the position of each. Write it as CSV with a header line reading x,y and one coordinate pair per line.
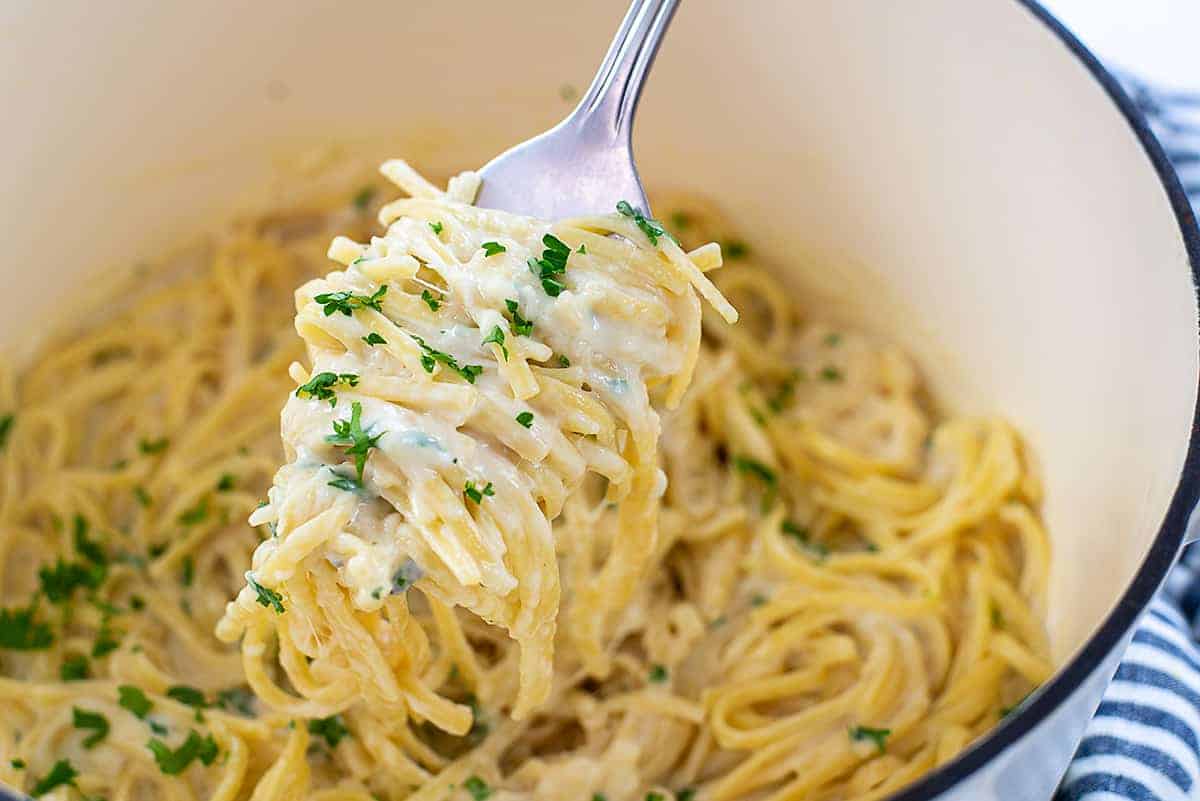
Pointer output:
x,y
606,109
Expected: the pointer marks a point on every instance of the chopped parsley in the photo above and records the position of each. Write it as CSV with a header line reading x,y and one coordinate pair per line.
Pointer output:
x,y
153,445
347,483
553,263
17,764
74,668
651,227
106,641
332,729
133,699
194,514
6,424
90,549
84,719
801,536
787,390
877,736
348,302
492,248
19,631
226,482
266,595
60,582
599,797
321,386
477,494
658,674
363,197
189,696
477,787
653,796
686,794
755,468
563,361
143,497
431,357
433,303
831,373
174,762
62,773
735,249
521,326
436,227
137,603
496,336
405,577
237,699
832,340
582,248
525,419
374,339
187,571
349,434
681,219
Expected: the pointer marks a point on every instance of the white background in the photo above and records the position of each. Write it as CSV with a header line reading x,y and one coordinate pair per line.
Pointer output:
x,y
1157,39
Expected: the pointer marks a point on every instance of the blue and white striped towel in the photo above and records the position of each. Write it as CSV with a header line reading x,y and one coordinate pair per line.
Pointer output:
x,y
1144,742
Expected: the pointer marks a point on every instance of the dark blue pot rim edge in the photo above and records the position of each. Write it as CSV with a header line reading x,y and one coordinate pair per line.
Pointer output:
x,y
1169,540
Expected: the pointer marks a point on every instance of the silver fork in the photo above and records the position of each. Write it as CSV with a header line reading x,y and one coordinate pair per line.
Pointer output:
x,y
584,165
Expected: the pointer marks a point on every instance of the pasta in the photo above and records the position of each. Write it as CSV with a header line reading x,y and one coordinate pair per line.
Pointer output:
x,y
487,567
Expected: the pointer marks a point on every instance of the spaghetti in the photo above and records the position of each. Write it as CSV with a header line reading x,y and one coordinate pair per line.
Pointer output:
x,y
470,579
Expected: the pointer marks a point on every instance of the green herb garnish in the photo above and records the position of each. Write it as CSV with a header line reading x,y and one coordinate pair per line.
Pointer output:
x,y
651,227
832,340
349,434
17,764
189,696
153,445
92,550
754,468
226,482
476,494
83,719
321,386
436,227
877,736
431,357
238,699
525,419
187,571
492,248
735,249
62,773
374,339
74,668
477,787
331,728
497,336
6,424
552,263
521,326
174,762
433,303
831,373
348,483
658,674
266,595
563,361
133,699
106,641
194,514
362,198
60,582
143,497
348,302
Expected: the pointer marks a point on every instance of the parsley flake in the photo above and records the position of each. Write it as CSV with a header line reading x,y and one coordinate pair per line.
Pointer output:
x,y
186,695
84,719
195,514
143,497
74,668
476,494
436,227
362,198
735,249
754,468
374,339
525,419
60,582
226,482
649,226
332,729
133,699
877,736
266,595
321,386
349,434
831,373
153,445
658,674
496,336
478,788
492,248
174,762
433,303
6,424
348,302
552,263
62,773
430,357
521,326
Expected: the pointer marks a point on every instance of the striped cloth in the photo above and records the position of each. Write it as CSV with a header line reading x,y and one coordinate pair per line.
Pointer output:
x,y
1144,742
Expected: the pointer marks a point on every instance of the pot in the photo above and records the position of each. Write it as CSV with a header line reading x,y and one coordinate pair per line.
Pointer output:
x,y
964,177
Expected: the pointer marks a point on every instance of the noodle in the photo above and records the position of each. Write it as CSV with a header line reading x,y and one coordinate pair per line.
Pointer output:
x,y
832,592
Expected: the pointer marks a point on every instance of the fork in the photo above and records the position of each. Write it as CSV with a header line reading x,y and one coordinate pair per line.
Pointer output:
x,y
584,165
